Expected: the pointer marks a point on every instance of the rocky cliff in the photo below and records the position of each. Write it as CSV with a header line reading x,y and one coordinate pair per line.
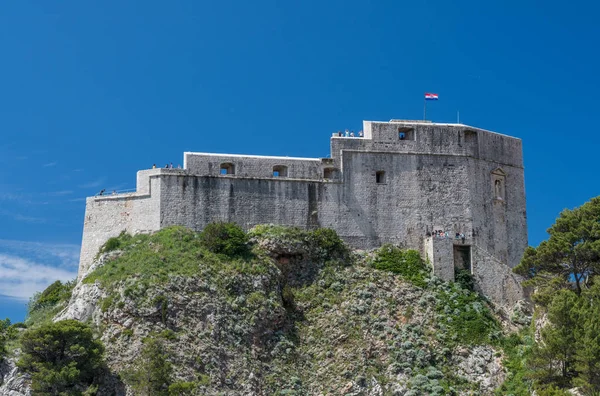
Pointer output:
x,y
298,314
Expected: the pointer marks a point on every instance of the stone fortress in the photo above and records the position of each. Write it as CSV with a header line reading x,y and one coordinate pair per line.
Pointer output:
x,y
454,192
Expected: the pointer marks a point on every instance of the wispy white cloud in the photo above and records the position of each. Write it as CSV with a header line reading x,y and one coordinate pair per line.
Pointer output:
x,y
29,267
82,199
93,184
49,164
21,217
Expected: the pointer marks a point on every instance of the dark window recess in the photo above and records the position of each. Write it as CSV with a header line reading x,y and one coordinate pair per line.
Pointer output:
x,y
330,173
227,169
280,171
405,133
380,177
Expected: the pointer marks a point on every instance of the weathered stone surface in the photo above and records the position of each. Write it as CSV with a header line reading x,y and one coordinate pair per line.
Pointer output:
x,y
83,303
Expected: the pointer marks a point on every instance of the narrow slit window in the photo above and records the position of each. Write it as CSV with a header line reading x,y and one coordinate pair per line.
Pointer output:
x,y
380,177
227,169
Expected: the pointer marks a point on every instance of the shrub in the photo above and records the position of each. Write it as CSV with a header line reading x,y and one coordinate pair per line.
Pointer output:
x,y
112,244
406,263
468,318
115,243
151,373
61,357
4,326
329,241
465,279
182,388
225,238
55,293
43,306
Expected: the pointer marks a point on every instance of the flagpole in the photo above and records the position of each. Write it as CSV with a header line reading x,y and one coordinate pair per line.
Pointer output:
x,y
424,108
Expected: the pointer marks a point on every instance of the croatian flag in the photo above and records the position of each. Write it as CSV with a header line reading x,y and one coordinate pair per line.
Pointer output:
x,y
431,96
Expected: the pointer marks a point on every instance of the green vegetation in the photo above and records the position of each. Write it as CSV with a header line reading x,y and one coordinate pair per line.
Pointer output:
x,y
563,271
43,306
467,318
62,358
322,243
465,279
517,348
152,373
571,254
116,243
4,328
173,251
225,238
407,263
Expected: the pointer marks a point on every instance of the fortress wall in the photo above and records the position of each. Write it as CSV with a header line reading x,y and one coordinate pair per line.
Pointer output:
x,y
494,279
107,216
500,225
421,193
501,148
195,201
252,166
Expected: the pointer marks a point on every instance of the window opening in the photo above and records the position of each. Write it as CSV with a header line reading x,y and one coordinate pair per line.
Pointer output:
x,y
227,169
405,133
380,177
280,171
329,173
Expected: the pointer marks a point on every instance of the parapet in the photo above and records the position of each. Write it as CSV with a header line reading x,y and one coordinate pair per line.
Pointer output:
x,y
426,137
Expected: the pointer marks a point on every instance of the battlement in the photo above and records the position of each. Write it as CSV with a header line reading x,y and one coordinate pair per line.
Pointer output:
x,y
402,182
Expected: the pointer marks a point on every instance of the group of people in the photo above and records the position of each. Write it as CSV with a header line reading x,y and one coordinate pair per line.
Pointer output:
x,y
167,166
348,133
446,234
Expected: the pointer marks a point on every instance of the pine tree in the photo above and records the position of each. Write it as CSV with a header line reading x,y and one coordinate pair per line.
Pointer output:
x,y
552,360
152,372
587,358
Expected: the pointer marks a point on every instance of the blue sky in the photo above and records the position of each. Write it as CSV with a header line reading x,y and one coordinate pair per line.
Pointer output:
x,y
92,91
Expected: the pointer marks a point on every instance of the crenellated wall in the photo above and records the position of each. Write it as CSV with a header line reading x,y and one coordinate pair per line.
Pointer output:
x,y
384,187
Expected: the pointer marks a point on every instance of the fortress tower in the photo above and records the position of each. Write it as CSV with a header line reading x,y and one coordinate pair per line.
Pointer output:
x,y
454,192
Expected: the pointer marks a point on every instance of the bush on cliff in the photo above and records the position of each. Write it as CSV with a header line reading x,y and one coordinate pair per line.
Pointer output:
x,y
225,238
62,358
43,306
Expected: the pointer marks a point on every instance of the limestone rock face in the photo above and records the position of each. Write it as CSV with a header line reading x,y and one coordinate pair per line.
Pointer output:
x,y
83,303
480,365
12,381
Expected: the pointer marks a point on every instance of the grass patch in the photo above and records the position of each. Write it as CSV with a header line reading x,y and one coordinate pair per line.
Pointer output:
x,y
407,263
169,252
